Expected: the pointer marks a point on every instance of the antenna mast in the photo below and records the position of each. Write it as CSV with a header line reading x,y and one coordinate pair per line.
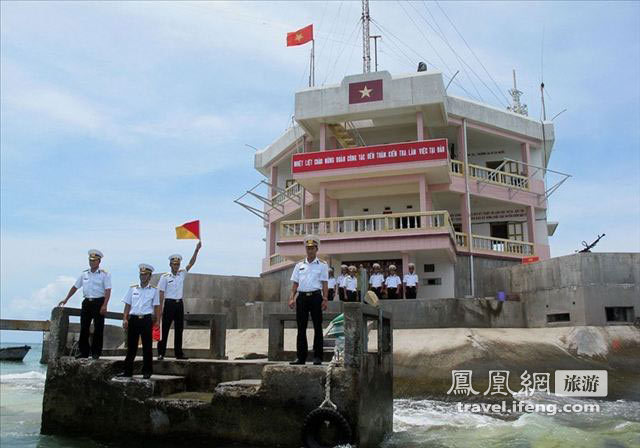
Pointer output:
x,y
516,94
366,49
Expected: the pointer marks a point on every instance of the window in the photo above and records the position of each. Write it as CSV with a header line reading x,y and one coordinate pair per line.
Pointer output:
x,y
434,281
558,317
619,313
457,227
429,268
289,182
499,230
515,231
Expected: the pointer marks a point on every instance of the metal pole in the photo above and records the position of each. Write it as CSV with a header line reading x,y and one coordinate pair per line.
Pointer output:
x,y
375,49
313,62
468,200
366,49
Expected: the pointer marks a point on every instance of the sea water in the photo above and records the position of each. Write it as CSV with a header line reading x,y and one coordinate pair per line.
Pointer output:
x,y
417,423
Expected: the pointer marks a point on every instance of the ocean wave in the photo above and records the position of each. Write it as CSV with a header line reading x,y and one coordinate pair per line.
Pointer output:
x,y
23,377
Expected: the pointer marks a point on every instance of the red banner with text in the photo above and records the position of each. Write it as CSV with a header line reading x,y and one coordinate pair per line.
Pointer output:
x,y
370,155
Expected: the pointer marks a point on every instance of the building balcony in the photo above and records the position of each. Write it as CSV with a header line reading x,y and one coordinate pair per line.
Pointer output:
x,y
495,177
494,246
370,233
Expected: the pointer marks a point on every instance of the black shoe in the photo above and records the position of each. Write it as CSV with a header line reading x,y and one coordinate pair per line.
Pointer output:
x,y
317,361
95,356
146,376
81,356
181,357
123,375
160,357
297,362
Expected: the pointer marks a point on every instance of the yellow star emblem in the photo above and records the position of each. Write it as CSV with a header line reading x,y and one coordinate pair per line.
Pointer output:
x,y
365,92
299,37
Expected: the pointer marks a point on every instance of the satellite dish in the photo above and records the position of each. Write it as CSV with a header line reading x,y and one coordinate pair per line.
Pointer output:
x,y
422,67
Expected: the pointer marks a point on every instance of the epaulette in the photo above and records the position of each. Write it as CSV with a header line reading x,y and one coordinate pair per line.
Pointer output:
x,y
135,285
165,274
104,270
86,270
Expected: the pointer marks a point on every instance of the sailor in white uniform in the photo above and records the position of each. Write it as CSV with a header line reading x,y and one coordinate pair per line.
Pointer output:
x,y
393,284
410,281
332,285
376,280
309,295
96,288
170,288
351,284
141,311
342,295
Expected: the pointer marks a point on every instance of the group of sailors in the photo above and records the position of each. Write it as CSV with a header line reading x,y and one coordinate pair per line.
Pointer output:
x,y
144,307
389,286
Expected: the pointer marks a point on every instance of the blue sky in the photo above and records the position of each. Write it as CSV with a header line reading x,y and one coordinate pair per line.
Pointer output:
x,y
120,121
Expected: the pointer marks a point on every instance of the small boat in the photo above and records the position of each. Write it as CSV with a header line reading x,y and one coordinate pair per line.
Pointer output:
x,y
14,353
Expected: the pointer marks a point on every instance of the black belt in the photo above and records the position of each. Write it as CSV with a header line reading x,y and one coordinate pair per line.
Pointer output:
x,y
175,300
140,316
94,298
410,286
309,293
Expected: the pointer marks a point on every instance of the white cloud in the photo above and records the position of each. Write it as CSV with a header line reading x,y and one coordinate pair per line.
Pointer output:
x,y
42,300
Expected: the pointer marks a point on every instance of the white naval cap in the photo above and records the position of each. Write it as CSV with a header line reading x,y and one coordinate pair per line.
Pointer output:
x,y
311,240
145,268
352,268
344,266
175,257
376,265
95,254
330,269
412,265
392,267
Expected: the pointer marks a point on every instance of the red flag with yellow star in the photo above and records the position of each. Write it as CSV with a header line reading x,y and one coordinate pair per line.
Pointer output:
x,y
302,36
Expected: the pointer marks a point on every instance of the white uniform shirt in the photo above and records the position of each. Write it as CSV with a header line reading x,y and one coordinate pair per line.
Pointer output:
x,y
172,285
392,281
342,278
351,283
376,280
411,279
93,284
332,282
309,276
142,300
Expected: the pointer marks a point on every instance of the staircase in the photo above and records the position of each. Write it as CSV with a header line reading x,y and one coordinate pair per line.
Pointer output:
x,y
342,135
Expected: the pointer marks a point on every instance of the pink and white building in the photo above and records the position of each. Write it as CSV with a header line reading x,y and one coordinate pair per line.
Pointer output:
x,y
393,169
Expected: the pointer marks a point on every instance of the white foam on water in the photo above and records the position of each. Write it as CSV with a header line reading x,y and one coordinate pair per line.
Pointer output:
x,y
20,377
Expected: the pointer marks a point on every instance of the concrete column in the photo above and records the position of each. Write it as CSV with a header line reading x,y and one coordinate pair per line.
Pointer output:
x,y
425,196
272,238
274,180
333,208
405,270
465,218
323,137
462,145
323,202
526,156
308,144
420,125
531,223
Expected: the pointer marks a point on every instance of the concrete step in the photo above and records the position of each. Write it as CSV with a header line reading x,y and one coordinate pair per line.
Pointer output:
x,y
238,388
204,397
165,384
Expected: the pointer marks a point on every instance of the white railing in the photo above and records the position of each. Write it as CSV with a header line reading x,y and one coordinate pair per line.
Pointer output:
x,y
291,191
498,177
378,224
276,259
500,245
457,167
461,239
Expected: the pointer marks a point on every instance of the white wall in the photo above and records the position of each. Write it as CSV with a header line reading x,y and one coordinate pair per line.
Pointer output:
x,y
376,205
443,269
542,234
536,160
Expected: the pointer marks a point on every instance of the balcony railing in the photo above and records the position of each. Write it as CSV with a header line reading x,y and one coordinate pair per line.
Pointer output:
x,y
276,259
292,191
496,177
368,224
462,240
457,167
500,245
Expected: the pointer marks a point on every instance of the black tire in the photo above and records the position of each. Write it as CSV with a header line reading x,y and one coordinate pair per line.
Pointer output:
x,y
325,428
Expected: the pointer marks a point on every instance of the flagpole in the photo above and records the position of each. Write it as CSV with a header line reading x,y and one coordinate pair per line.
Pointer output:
x,y
312,65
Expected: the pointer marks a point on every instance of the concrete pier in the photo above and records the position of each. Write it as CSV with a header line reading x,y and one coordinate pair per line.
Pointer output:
x,y
255,402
